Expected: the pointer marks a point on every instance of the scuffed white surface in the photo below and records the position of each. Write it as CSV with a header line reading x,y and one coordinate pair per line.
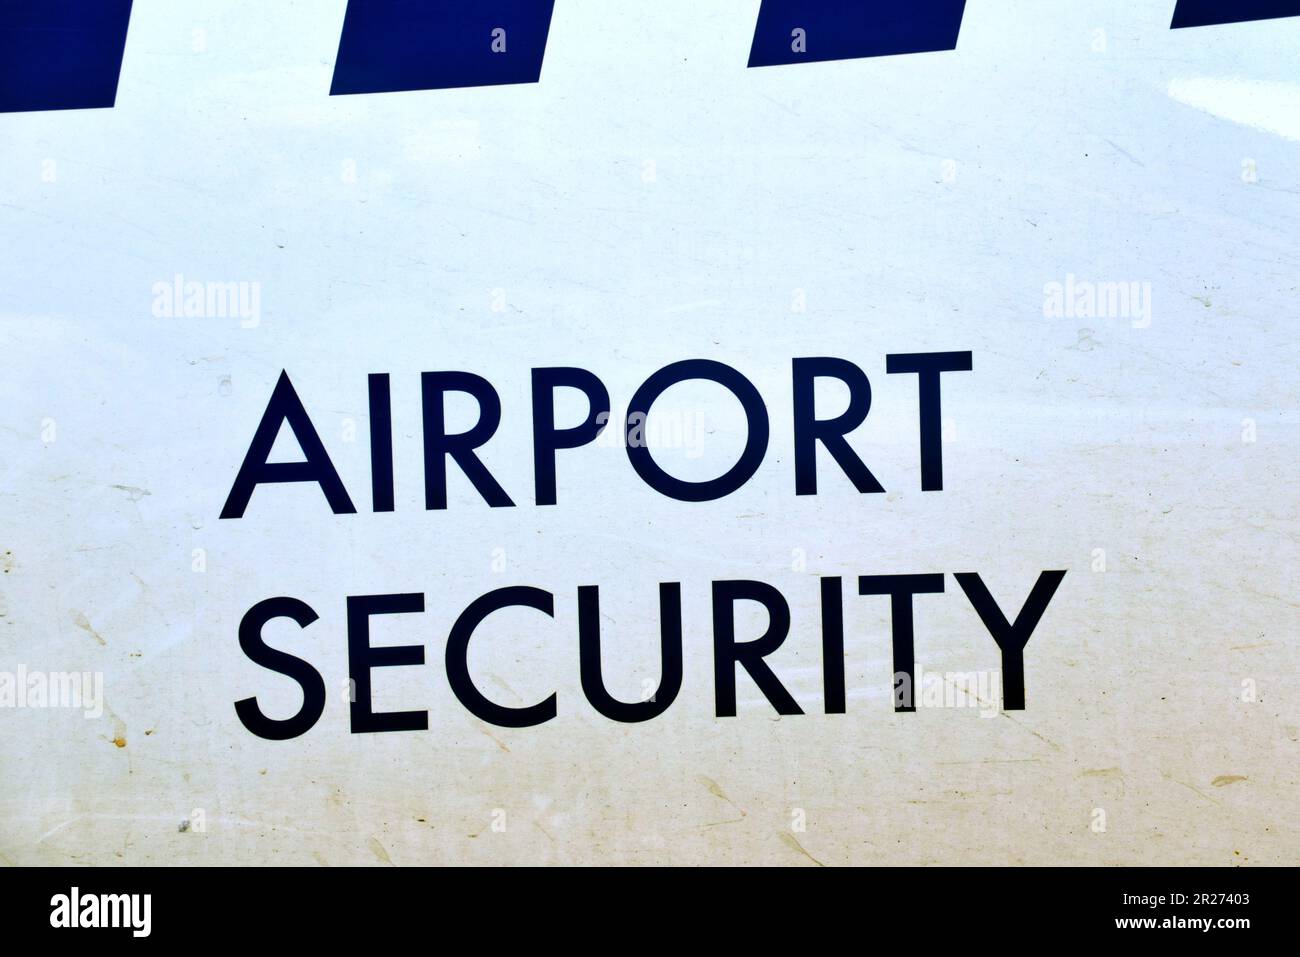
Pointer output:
x,y
1069,436
1268,106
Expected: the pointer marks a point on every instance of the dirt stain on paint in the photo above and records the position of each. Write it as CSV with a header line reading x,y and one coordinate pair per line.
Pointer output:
x,y
1106,774
82,622
716,790
133,492
793,842
381,855
500,744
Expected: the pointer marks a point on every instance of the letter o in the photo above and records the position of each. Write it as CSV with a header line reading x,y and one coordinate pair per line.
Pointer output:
x,y
755,444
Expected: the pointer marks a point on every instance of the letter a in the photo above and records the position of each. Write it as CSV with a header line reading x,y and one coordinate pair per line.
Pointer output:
x,y
285,406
